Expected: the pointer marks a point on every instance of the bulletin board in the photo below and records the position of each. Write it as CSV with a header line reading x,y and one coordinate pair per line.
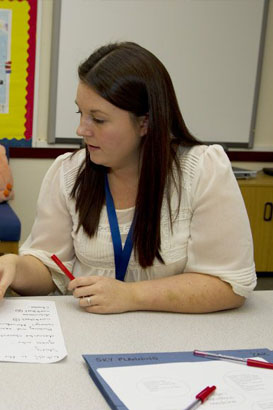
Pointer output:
x,y
18,22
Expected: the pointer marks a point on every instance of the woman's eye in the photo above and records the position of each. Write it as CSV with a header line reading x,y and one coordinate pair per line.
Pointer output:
x,y
98,121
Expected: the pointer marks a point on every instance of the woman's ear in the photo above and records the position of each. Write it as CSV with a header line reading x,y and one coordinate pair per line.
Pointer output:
x,y
143,124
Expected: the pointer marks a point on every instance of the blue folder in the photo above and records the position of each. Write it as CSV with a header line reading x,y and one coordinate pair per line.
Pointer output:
x,y
96,361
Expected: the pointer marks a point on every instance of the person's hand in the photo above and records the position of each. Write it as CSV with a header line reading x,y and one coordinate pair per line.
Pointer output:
x,y
99,294
8,265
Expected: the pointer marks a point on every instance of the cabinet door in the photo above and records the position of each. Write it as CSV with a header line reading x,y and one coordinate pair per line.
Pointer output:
x,y
256,198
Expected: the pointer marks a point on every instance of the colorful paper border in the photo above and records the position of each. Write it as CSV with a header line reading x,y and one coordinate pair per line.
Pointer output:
x,y
23,50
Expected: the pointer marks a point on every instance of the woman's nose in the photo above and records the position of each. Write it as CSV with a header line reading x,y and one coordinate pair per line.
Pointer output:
x,y
84,129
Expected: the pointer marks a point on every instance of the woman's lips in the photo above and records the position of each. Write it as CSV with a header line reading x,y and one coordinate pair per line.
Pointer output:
x,y
92,147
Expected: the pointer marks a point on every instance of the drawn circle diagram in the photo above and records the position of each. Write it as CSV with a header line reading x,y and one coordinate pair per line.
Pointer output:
x,y
263,405
162,386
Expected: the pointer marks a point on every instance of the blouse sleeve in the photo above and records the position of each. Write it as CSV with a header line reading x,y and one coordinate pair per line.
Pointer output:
x,y
220,242
52,228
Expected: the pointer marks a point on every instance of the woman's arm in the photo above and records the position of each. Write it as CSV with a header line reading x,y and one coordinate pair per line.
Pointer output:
x,y
184,293
26,275
30,274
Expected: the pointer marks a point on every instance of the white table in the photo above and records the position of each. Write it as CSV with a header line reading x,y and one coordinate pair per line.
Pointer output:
x,y
66,385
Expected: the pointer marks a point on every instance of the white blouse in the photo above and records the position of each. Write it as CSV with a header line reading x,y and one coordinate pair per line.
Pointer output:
x,y
211,233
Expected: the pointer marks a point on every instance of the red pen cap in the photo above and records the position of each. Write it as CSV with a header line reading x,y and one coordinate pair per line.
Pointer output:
x,y
205,393
257,363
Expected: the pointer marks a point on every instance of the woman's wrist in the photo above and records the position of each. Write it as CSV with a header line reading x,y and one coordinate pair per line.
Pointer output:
x,y
8,266
134,299
13,261
9,259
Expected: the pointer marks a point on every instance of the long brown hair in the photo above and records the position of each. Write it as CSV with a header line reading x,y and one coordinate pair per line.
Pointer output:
x,y
133,79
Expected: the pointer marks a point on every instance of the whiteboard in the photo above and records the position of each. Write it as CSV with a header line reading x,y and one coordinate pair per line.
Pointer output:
x,y
212,50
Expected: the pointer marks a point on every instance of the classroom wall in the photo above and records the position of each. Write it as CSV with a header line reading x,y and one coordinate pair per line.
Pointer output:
x,y
28,173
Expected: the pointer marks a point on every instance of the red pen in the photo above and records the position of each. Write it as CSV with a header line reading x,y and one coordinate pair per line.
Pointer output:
x,y
201,397
248,362
63,268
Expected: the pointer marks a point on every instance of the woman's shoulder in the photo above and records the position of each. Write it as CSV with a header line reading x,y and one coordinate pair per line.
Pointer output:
x,y
198,151
65,169
71,160
193,157
71,163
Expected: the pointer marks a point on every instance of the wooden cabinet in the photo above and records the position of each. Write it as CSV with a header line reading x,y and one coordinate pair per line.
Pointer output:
x,y
258,197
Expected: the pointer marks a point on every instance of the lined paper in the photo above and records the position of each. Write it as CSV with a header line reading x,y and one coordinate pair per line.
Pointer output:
x,y
30,332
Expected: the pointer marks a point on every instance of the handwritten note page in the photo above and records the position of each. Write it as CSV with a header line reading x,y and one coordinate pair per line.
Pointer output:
x,y
173,386
30,332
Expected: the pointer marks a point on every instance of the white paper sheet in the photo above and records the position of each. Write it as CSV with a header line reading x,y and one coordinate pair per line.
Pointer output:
x,y
173,386
30,332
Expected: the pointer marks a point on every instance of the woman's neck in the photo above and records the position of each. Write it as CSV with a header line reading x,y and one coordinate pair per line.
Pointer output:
x,y
123,186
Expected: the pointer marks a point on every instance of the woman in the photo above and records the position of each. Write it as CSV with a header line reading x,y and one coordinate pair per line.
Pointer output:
x,y
145,182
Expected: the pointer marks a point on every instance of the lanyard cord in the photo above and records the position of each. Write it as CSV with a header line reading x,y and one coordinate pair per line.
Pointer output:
x,y
122,256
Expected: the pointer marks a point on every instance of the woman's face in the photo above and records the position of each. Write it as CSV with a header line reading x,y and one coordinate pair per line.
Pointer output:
x,y
112,136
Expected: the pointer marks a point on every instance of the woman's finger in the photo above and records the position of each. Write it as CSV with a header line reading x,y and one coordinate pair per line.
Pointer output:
x,y
81,282
87,301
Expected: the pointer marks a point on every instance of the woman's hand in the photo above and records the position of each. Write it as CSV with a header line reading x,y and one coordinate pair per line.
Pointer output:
x,y
8,264
99,294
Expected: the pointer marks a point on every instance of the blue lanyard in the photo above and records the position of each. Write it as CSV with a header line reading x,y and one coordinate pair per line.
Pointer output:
x,y
122,256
